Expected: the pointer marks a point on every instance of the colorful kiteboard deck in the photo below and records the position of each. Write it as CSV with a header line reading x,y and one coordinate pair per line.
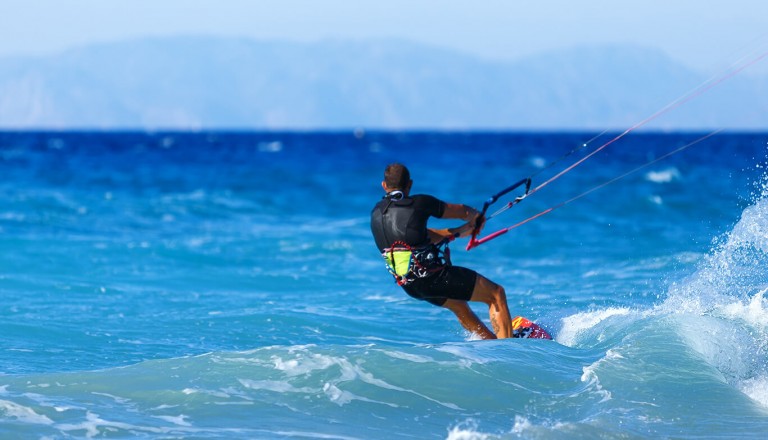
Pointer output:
x,y
524,328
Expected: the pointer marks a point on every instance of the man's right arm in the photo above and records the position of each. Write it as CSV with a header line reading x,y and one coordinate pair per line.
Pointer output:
x,y
460,212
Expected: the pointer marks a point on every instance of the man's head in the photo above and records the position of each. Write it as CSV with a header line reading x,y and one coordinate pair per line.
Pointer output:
x,y
397,178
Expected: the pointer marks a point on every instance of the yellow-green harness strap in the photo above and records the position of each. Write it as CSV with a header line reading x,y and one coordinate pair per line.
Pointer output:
x,y
404,265
399,260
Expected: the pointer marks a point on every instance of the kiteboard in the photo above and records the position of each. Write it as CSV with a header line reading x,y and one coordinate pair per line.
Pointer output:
x,y
524,328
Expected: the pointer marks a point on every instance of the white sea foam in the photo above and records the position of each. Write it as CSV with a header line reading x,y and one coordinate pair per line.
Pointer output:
x,y
467,357
754,313
386,298
721,344
589,376
270,147
94,424
180,420
752,228
408,357
663,176
12,410
733,272
756,388
467,430
575,325
742,351
302,365
276,386
337,395
724,314
120,400
214,393
537,162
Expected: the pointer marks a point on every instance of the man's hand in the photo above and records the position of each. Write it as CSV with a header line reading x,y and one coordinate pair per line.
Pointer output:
x,y
460,212
478,223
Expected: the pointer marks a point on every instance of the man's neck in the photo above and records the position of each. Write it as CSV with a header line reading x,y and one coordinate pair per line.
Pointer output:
x,y
396,194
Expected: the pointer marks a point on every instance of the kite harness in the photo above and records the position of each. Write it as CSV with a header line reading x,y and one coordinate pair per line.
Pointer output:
x,y
407,264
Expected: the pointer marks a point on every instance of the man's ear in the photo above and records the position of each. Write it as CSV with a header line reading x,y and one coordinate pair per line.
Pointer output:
x,y
384,185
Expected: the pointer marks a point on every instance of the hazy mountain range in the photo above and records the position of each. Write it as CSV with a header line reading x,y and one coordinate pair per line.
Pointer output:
x,y
230,83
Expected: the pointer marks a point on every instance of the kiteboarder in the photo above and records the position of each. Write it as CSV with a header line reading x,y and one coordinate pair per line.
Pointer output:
x,y
416,259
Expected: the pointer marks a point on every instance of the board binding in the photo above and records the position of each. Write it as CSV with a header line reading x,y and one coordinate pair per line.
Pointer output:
x,y
525,328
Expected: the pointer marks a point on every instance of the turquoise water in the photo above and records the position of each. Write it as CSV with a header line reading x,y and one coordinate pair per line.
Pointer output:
x,y
225,285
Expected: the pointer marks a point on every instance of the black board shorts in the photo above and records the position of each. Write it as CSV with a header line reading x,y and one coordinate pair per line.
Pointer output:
x,y
454,282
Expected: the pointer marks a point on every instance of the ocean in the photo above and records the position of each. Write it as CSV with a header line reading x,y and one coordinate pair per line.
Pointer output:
x,y
212,285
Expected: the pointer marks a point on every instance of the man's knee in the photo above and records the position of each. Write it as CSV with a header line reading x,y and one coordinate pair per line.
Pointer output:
x,y
487,291
500,296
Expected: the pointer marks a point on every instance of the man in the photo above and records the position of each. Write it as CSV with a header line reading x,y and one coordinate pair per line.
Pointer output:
x,y
399,226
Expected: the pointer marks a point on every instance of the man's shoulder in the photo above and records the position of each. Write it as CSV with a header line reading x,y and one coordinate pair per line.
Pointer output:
x,y
432,203
426,197
378,204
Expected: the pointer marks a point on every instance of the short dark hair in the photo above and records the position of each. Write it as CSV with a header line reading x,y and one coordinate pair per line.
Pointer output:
x,y
396,176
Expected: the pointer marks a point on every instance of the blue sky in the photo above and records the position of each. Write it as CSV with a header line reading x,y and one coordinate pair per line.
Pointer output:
x,y
706,35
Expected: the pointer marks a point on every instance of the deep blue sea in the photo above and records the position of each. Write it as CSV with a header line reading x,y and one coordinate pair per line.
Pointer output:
x,y
226,285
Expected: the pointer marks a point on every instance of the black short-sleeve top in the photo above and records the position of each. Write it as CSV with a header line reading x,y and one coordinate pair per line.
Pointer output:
x,y
404,220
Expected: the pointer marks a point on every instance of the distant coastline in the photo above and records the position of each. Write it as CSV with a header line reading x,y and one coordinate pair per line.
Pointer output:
x,y
234,84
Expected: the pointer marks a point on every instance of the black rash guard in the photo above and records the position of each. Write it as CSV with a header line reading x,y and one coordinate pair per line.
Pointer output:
x,y
404,220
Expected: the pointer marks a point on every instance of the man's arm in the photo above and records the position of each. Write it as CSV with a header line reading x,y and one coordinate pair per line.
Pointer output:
x,y
462,212
456,211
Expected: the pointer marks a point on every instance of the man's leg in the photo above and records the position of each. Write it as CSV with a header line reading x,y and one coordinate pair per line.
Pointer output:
x,y
488,292
468,319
